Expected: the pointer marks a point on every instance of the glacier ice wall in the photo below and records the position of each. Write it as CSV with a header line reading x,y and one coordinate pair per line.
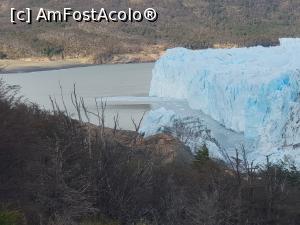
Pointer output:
x,y
249,90
156,120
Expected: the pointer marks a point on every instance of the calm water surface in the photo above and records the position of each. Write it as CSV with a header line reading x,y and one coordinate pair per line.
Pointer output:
x,y
91,82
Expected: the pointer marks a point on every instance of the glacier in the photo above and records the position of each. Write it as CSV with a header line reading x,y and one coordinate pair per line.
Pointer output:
x,y
254,91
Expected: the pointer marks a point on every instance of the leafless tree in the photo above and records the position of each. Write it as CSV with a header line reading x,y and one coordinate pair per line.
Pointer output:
x,y
116,123
76,103
137,127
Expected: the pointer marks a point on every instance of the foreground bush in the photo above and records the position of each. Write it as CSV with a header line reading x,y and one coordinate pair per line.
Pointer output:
x,y
59,171
11,218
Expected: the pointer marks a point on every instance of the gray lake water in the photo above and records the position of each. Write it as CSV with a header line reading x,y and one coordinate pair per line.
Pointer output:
x,y
91,82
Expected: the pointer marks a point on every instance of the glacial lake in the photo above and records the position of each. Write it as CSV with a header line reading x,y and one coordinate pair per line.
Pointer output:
x,y
91,82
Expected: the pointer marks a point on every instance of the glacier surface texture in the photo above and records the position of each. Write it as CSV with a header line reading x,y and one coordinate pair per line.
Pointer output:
x,y
253,90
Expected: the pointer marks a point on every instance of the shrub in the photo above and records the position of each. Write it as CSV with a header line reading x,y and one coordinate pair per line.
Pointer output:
x,y
11,218
202,154
61,171
3,55
51,51
104,57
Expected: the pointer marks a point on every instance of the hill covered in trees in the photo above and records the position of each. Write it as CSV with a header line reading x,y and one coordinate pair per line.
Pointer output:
x,y
188,23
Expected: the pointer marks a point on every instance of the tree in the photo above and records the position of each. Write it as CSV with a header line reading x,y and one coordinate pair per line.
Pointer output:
x,y
3,55
202,154
51,51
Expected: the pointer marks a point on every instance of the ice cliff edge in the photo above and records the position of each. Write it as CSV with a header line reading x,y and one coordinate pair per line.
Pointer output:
x,y
251,90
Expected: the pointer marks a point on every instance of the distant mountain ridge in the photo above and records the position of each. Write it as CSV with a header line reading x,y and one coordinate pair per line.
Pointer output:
x,y
187,23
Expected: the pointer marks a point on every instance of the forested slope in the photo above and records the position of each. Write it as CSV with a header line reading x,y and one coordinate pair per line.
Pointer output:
x,y
188,23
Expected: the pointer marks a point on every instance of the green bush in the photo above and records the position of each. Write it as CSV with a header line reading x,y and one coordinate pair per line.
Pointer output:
x,y
202,154
3,55
11,218
51,51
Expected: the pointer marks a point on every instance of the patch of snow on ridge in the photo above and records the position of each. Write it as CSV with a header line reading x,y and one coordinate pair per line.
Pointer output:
x,y
251,90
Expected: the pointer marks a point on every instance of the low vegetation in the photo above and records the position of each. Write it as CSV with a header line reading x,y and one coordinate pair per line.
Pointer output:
x,y
58,171
53,51
188,23
11,217
2,55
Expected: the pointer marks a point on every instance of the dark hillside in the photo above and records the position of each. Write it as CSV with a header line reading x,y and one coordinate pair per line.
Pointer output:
x,y
59,171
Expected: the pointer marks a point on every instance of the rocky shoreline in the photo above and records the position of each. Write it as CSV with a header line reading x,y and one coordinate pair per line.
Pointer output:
x,y
27,65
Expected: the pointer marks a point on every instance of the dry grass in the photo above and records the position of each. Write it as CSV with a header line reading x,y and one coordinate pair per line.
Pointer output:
x,y
188,23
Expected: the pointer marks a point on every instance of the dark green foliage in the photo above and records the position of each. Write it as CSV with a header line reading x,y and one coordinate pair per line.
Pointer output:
x,y
51,51
3,55
293,176
46,48
202,154
11,218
